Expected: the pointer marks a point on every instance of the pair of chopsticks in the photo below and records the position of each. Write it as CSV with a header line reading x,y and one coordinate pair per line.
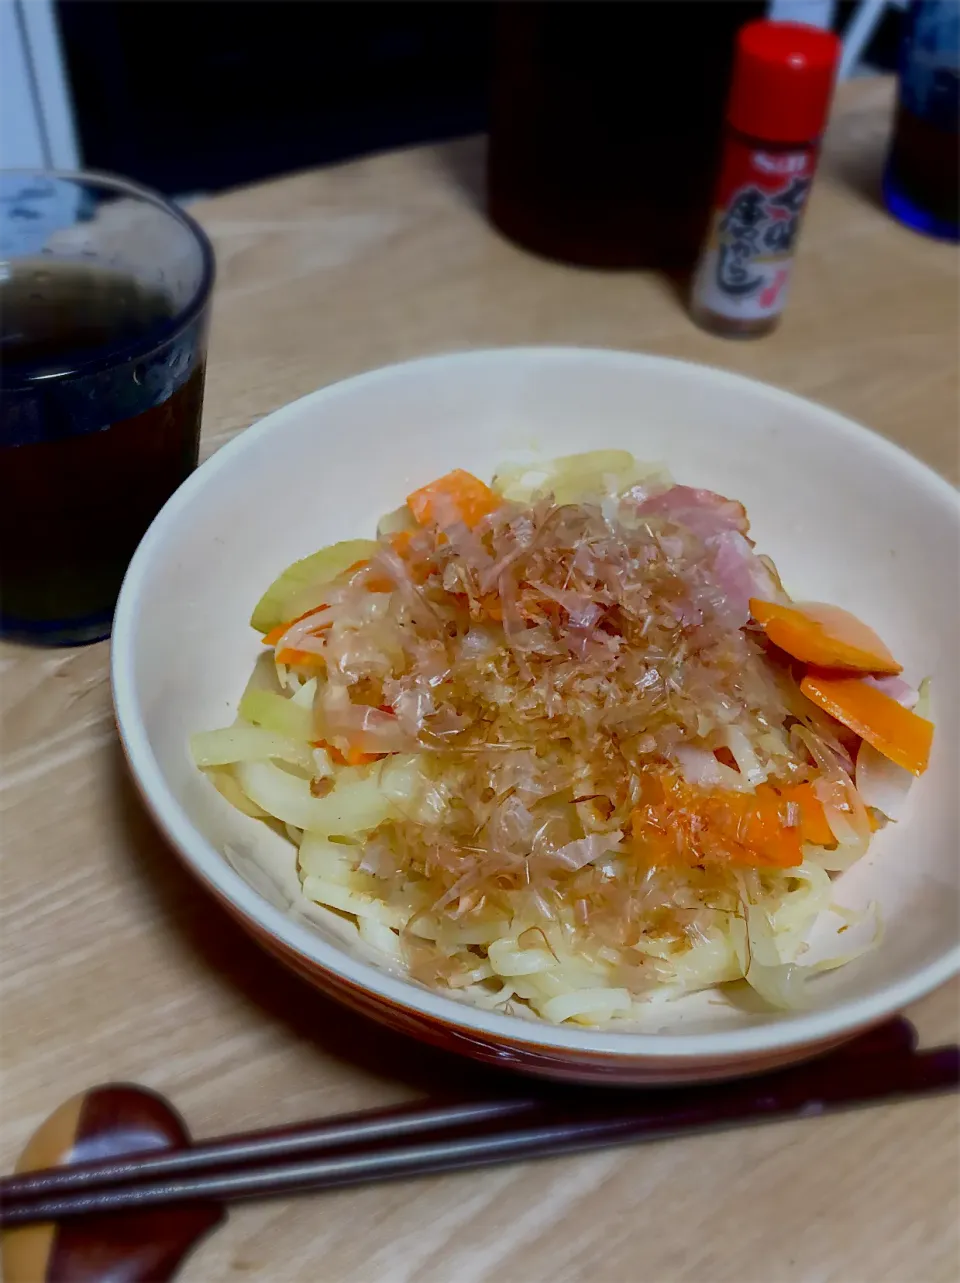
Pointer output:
x,y
419,1140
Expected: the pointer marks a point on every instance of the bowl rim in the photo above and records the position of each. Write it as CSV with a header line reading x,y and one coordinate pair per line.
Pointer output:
x,y
793,1029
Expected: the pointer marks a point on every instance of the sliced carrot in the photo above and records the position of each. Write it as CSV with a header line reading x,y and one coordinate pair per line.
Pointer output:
x,y
894,731
753,823
352,757
374,583
825,635
301,658
539,608
459,496
813,819
273,636
491,608
400,541
676,823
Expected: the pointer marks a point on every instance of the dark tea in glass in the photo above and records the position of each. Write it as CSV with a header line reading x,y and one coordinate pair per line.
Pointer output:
x,y
104,293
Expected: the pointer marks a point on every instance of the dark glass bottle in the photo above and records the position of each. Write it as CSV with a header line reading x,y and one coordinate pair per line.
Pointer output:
x,y
921,185
605,126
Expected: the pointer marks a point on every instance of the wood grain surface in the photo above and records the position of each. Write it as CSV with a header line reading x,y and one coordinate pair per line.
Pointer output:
x,y
115,965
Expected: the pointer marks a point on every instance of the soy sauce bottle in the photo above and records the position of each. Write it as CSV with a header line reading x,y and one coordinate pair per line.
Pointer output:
x,y
605,126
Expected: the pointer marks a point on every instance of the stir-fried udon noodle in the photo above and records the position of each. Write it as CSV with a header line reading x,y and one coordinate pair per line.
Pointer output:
x,y
564,746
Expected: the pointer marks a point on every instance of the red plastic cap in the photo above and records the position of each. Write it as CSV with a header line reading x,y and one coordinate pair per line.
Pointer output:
x,y
783,77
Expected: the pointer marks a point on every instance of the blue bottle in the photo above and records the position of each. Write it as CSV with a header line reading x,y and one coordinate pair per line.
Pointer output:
x,y
921,183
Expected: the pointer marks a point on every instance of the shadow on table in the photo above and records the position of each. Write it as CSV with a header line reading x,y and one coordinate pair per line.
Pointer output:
x,y
858,148
223,947
463,162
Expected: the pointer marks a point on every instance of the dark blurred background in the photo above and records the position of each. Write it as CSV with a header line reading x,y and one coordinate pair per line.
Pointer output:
x,y
193,97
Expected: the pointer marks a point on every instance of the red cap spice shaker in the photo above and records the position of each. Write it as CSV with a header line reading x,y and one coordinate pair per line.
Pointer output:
x,y
779,99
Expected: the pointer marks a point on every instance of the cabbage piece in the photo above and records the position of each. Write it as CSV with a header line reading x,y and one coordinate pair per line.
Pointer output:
x,y
392,523
575,477
228,786
303,698
923,707
248,744
276,713
300,586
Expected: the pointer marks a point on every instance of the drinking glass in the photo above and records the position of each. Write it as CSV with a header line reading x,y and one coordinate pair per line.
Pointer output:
x,y
104,300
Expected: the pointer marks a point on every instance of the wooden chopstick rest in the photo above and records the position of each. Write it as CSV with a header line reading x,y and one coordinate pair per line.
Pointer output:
x,y
112,1121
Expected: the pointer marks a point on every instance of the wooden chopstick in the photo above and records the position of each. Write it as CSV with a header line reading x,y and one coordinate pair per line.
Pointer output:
x,y
343,1132
813,1089
371,1127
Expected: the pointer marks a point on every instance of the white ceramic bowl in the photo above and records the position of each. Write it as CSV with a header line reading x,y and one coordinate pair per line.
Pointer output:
x,y
848,518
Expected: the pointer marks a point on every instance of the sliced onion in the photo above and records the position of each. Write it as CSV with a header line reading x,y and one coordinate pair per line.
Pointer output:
x,y
370,730
783,986
357,804
896,688
478,643
823,754
848,821
882,783
698,766
583,851
302,634
786,986
745,757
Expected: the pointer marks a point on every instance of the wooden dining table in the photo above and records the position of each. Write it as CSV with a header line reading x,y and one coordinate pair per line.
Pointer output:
x,y
116,965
